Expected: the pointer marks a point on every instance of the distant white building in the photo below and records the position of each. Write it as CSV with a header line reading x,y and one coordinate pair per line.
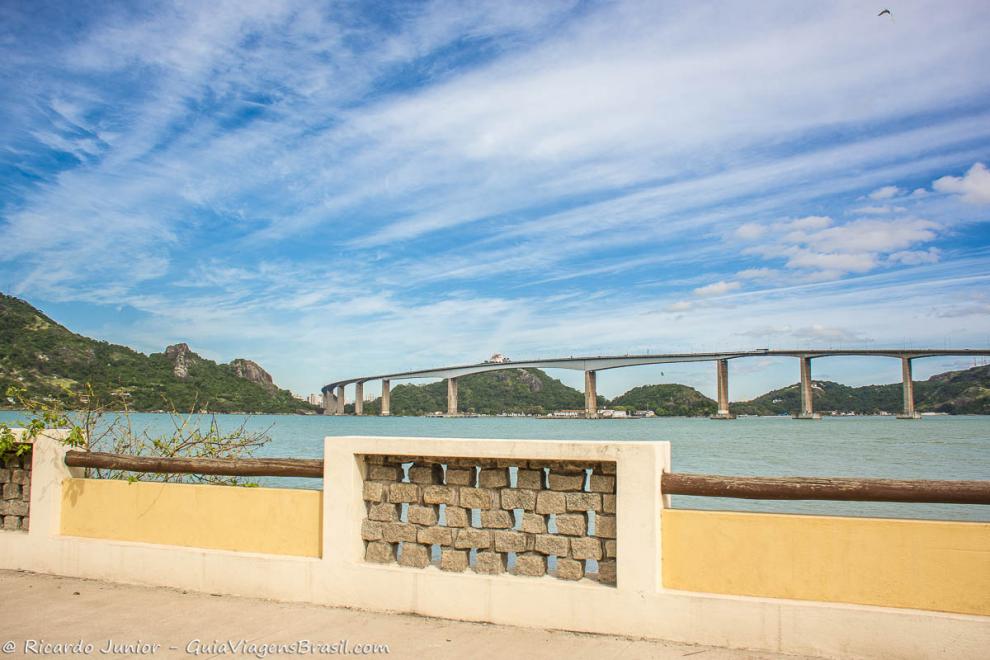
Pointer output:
x,y
315,399
567,413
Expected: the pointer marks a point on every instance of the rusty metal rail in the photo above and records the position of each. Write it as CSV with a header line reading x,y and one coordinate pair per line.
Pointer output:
x,y
241,467
704,485
827,488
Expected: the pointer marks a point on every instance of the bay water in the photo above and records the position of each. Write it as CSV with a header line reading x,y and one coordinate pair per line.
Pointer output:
x,y
938,447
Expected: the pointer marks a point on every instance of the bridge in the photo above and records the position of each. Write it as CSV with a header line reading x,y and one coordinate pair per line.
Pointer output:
x,y
334,394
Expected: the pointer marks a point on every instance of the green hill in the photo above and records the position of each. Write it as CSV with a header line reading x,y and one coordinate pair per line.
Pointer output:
x,y
666,400
827,396
46,359
964,392
529,391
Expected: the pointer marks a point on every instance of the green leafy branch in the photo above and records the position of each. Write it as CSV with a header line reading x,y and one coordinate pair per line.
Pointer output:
x,y
108,426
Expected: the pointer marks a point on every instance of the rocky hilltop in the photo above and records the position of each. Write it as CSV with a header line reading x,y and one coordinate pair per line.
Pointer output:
x,y
49,360
180,356
252,371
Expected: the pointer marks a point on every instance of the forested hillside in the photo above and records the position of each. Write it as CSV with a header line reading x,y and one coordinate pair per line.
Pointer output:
x,y
666,400
48,360
529,391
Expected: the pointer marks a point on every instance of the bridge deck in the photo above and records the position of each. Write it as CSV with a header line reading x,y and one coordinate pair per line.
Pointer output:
x,y
603,362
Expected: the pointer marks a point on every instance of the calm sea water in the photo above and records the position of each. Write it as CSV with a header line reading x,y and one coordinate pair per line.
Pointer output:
x,y
931,448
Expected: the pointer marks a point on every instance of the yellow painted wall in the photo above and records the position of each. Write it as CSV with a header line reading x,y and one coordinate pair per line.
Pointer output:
x,y
921,564
279,521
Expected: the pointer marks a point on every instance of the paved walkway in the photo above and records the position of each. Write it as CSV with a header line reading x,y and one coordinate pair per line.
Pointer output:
x,y
56,610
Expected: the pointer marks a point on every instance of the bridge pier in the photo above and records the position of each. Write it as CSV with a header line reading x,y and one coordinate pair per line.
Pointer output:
x,y
341,399
386,398
807,395
329,404
451,397
359,398
722,378
909,412
590,394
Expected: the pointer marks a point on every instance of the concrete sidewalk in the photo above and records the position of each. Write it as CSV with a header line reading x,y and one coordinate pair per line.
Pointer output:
x,y
68,610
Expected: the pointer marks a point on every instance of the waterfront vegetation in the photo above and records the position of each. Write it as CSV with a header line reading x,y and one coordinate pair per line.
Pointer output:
x,y
108,426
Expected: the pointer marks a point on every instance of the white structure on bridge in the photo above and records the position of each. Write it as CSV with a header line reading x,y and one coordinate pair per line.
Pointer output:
x,y
334,393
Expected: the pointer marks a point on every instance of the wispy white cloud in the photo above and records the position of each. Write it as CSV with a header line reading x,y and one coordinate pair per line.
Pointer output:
x,y
471,175
916,257
974,186
716,288
886,192
824,250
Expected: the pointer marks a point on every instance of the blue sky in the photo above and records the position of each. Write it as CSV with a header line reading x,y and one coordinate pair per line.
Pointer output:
x,y
334,189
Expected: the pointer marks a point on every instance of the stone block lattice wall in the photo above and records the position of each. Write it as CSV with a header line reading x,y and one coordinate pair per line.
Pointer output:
x,y
492,516
15,491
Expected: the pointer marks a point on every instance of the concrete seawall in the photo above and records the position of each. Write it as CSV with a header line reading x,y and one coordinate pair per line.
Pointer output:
x,y
833,587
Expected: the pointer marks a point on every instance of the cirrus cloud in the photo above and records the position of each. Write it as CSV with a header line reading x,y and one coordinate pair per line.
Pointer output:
x,y
716,289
